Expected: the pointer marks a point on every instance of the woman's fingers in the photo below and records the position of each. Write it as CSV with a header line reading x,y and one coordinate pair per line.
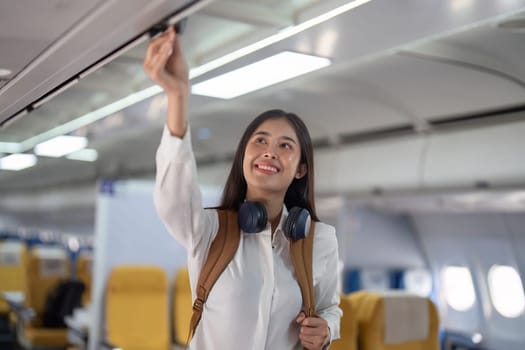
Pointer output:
x,y
165,65
158,61
300,318
311,342
156,43
157,56
313,332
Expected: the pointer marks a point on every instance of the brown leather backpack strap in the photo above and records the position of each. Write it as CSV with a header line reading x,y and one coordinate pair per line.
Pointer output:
x,y
301,253
222,251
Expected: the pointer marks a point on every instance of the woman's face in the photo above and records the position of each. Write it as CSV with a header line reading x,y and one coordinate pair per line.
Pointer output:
x,y
271,159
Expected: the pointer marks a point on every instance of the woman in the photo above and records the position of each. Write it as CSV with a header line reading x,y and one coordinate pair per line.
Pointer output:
x,y
256,302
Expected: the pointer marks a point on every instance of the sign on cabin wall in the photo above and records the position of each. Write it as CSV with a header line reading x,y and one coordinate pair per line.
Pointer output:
x,y
9,259
52,268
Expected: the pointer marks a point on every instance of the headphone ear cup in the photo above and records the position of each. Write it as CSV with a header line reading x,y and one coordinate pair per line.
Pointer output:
x,y
252,217
297,224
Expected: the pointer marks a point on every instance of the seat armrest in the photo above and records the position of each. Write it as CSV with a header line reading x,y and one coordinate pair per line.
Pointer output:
x,y
456,340
78,334
23,313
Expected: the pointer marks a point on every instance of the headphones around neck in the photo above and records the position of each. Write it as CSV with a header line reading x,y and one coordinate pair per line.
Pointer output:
x,y
252,218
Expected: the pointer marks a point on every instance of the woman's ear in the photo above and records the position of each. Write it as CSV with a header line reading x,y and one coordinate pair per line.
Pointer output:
x,y
301,171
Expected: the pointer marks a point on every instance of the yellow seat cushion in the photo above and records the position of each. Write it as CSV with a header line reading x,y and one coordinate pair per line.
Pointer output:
x,y
46,337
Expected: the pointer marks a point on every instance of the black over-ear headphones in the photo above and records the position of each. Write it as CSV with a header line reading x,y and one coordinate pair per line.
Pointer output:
x,y
252,218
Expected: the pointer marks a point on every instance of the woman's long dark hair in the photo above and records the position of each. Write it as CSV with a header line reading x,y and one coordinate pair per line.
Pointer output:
x,y
300,193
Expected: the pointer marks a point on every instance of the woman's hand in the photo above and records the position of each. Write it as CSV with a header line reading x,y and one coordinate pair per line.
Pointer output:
x,y
314,333
165,64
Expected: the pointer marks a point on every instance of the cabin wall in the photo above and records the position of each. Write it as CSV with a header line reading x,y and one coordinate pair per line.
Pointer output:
x,y
371,238
377,250
477,241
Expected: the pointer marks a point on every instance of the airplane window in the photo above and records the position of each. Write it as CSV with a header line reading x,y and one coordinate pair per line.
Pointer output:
x,y
375,280
458,287
506,291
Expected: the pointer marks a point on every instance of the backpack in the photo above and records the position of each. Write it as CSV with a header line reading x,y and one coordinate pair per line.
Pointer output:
x,y
224,247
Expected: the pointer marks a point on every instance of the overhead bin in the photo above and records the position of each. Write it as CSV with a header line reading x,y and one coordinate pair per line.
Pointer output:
x,y
380,165
75,38
486,156
375,166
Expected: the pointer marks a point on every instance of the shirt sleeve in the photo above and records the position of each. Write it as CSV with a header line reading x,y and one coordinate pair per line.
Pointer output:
x,y
327,295
177,195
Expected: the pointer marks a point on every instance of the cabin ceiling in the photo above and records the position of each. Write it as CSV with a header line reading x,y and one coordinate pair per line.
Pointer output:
x,y
405,64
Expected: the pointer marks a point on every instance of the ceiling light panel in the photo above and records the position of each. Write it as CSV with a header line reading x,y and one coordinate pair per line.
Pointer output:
x,y
17,161
60,146
269,71
86,155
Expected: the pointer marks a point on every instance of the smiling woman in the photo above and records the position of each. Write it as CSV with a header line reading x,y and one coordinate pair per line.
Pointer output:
x,y
271,180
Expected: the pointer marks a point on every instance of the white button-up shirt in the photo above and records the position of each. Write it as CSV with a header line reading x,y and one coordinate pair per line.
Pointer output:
x,y
255,301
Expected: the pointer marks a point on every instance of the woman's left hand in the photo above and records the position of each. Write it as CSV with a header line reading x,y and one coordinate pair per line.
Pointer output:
x,y
314,333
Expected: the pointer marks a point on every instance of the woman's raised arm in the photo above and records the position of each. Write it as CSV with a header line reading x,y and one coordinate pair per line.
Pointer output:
x,y
177,195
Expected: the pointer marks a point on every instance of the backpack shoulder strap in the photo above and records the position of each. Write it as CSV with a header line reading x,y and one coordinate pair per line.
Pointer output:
x,y
301,252
221,252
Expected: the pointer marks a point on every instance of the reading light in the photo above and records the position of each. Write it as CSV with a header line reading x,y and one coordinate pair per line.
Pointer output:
x,y
60,146
4,73
258,75
17,161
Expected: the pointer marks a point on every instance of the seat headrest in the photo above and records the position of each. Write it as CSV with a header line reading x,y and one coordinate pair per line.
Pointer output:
x,y
10,253
49,252
407,318
11,247
140,279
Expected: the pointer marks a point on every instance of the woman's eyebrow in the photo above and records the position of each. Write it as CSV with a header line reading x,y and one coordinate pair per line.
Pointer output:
x,y
266,133
289,139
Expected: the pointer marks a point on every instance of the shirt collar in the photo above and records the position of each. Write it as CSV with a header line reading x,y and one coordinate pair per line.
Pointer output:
x,y
279,229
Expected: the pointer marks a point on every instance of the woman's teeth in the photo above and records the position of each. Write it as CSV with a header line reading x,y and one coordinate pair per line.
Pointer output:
x,y
268,168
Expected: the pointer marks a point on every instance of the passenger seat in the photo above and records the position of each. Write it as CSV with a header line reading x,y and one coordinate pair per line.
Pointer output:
x,y
47,267
395,321
136,310
13,262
